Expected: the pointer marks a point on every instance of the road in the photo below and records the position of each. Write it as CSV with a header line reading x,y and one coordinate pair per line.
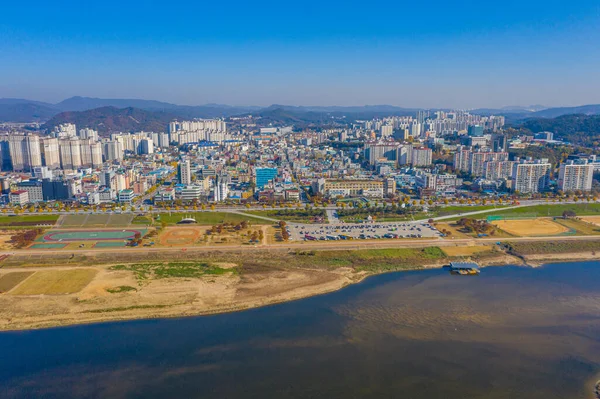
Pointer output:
x,y
305,245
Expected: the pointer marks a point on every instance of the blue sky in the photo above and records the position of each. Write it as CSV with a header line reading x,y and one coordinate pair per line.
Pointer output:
x,y
416,54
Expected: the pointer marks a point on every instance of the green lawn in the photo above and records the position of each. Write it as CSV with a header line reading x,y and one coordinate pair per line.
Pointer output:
x,y
291,215
8,220
583,209
207,218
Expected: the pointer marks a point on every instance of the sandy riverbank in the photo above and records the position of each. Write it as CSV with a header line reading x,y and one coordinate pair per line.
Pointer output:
x,y
103,299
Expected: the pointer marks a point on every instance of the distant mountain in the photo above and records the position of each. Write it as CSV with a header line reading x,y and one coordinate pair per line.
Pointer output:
x,y
181,111
111,119
24,112
592,109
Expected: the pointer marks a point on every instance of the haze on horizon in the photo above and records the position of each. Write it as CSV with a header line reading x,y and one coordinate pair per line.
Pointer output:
x,y
438,54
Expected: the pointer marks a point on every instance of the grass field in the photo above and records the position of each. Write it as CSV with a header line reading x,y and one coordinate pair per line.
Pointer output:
x,y
465,251
9,281
553,247
144,271
207,218
373,260
580,226
457,210
55,282
583,209
531,228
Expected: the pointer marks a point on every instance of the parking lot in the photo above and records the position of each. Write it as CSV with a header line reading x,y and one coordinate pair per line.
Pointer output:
x,y
362,231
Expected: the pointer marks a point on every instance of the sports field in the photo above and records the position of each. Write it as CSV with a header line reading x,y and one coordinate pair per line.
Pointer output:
x,y
54,282
181,235
91,235
531,227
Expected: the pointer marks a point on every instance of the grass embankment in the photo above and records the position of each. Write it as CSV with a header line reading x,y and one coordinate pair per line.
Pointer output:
x,y
24,221
583,209
206,218
145,271
372,260
553,247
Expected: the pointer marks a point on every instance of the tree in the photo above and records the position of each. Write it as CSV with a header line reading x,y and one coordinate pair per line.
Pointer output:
x,y
568,214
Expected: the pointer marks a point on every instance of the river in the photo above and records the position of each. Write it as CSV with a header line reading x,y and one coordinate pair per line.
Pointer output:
x,y
512,332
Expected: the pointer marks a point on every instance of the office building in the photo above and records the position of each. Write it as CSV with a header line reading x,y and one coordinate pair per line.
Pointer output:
x,y
263,176
475,131
184,172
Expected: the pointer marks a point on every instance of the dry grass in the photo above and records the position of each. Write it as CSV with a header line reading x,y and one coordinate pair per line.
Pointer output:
x,y
54,282
9,281
465,250
591,219
531,227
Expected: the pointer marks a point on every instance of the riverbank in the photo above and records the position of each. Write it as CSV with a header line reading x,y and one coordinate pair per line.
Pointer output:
x,y
91,292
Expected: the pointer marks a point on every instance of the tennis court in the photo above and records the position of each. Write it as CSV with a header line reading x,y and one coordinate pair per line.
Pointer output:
x,y
91,235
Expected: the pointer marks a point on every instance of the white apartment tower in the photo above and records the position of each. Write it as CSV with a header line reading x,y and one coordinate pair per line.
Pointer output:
x,y
50,153
531,177
575,176
25,152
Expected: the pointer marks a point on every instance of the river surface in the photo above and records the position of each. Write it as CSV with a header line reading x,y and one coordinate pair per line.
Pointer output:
x,y
511,332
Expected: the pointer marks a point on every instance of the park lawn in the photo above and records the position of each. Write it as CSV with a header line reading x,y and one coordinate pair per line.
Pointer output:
x,y
55,282
455,209
291,215
9,281
207,218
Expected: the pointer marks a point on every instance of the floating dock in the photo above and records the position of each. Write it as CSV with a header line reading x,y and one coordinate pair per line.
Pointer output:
x,y
464,268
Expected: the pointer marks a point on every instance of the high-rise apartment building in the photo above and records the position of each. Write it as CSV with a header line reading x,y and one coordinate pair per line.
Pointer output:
x,y
50,153
25,152
421,156
531,176
575,176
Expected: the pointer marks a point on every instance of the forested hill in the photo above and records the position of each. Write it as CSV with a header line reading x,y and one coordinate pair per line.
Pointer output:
x,y
577,129
111,119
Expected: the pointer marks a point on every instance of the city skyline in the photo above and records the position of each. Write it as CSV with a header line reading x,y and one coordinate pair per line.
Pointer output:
x,y
436,55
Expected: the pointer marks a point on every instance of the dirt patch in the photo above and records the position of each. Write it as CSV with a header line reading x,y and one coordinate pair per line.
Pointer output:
x,y
591,219
181,235
530,228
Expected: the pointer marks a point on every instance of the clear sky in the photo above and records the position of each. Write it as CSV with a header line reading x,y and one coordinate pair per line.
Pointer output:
x,y
466,54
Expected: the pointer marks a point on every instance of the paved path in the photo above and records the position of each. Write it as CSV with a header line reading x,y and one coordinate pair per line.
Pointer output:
x,y
332,216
